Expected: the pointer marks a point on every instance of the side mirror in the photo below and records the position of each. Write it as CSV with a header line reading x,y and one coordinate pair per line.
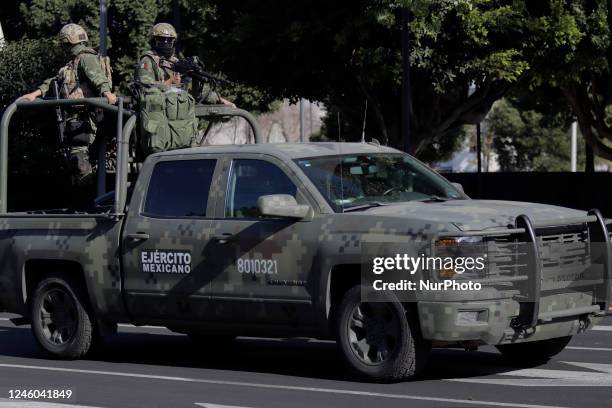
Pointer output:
x,y
459,187
282,205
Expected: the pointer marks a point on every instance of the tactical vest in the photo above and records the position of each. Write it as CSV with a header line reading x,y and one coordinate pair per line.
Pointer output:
x,y
68,77
161,68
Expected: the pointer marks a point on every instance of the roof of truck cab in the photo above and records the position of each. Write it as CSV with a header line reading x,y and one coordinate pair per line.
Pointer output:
x,y
288,150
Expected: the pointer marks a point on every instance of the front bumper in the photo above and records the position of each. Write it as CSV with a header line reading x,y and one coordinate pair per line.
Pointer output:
x,y
441,321
546,315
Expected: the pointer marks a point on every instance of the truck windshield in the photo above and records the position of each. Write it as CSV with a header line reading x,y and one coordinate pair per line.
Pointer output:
x,y
360,181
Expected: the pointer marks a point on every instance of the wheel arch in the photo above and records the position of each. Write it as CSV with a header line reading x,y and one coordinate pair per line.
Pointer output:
x,y
340,279
35,270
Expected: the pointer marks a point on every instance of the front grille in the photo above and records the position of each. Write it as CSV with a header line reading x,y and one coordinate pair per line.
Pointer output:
x,y
559,248
565,249
505,258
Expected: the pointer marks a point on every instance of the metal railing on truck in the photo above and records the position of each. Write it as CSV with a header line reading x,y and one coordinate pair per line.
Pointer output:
x,y
124,132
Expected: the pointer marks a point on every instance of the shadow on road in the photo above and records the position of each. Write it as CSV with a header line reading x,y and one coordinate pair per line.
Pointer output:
x,y
292,357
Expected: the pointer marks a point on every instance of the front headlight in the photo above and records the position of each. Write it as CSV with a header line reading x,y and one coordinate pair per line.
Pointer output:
x,y
460,258
454,241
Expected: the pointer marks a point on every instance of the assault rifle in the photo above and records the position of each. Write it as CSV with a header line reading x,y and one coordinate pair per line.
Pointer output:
x,y
59,115
193,67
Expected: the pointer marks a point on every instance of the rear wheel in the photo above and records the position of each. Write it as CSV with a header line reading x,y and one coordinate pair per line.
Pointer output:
x,y
61,322
380,340
534,352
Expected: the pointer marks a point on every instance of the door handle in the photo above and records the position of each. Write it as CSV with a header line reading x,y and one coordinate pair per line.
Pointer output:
x,y
139,236
223,238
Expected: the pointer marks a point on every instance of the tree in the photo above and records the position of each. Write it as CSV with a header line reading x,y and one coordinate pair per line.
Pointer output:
x,y
526,139
585,78
22,65
129,23
345,52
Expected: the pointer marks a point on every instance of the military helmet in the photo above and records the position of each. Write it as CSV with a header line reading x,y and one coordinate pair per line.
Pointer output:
x,y
73,34
163,30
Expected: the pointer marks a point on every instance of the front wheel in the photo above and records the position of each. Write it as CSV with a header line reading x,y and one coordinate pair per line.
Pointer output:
x,y
380,340
534,352
61,321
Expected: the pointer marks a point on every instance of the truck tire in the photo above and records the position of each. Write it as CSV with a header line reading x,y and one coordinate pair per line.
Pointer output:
x,y
534,352
380,341
61,320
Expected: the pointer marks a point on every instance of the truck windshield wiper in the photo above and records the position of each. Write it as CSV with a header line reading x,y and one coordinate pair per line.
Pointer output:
x,y
364,206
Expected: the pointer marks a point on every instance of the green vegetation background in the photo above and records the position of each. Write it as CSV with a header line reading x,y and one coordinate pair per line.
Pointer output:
x,y
549,59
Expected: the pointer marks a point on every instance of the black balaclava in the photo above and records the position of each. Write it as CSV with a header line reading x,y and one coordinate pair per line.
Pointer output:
x,y
163,48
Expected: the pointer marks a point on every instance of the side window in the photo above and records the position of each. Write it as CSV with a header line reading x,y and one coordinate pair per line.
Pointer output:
x,y
251,179
180,188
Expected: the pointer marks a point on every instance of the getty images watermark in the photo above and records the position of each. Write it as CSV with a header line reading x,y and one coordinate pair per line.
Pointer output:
x,y
453,272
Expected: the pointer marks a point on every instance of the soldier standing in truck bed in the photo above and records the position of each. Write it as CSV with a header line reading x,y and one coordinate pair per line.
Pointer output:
x,y
84,76
156,65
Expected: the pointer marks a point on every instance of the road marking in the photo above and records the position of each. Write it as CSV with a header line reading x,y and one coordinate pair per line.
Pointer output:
x,y
539,377
280,387
602,328
207,405
589,348
9,403
527,382
604,368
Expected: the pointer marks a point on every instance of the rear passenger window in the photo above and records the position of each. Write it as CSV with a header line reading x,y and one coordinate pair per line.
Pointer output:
x,y
251,179
180,188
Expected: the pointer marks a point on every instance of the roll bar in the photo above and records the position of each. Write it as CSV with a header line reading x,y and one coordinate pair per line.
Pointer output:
x,y
124,132
219,111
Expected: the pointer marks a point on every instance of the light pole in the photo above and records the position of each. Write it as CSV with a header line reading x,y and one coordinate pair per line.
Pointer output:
x,y
301,120
102,145
176,20
574,149
479,148
406,88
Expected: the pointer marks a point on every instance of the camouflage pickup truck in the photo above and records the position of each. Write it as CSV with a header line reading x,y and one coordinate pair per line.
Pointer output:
x,y
268,240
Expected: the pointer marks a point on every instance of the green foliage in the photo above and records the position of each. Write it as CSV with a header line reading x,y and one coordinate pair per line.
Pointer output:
x,y
345,52
129,23
528,140
47,17
23,64
128,26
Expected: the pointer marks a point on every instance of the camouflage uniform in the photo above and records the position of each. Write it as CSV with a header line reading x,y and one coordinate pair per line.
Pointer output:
x,y
81,77
155,68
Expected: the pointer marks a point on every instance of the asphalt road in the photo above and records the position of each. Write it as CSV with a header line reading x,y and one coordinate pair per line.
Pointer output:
x,y
151,367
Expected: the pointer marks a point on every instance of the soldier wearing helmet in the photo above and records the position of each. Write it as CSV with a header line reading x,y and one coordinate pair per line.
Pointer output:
x,y
82,77
156,65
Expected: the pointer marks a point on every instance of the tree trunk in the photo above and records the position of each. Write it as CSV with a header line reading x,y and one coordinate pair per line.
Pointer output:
x,y
590,119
